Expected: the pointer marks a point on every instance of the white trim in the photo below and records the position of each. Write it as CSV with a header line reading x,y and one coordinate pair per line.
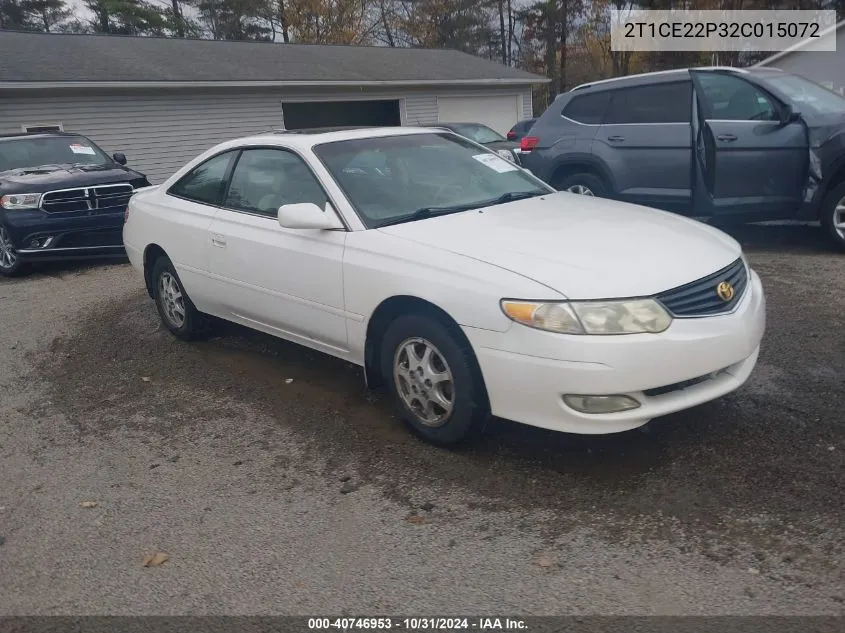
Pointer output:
x,y
798,46
138,85
25,127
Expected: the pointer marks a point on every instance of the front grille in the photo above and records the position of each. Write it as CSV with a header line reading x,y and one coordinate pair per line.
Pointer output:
x,y
701,298
87,199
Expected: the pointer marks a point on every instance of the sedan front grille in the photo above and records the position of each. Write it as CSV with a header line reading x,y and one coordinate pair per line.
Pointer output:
x,y
87,199
718,293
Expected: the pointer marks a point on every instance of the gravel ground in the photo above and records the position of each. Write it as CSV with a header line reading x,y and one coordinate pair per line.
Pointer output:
x,y
307,497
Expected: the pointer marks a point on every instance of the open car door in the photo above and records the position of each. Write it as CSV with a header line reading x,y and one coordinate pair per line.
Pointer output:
x,y
750,149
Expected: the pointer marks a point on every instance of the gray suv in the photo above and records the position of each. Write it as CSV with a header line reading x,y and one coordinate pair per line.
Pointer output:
x,y
733,145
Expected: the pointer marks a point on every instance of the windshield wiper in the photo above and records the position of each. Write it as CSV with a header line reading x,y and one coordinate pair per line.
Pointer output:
x,y
511,196
431,212
426,212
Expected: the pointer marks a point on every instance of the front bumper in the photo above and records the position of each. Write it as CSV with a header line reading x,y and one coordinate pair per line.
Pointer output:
x,y
527,371
40,236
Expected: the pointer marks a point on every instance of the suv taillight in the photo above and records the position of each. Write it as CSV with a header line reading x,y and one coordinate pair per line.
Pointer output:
x,y
528,143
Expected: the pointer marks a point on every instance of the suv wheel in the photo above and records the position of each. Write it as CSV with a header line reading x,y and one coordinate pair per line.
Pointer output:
x,y
833,215
433,377
584,184
175,308
10,263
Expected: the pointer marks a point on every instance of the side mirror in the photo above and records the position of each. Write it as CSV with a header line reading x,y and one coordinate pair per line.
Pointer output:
x,y
119,158
307,215
791,115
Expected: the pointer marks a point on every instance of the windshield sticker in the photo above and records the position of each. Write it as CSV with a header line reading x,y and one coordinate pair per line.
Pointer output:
x,y
496,163
76,148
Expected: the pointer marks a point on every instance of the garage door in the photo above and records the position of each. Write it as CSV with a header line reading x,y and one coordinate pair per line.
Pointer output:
x,y
499,113
305,114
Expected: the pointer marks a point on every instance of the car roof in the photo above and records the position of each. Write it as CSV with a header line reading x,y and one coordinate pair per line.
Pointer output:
x,y
658,76
308,138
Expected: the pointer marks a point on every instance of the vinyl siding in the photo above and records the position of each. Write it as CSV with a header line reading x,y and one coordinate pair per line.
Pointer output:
x,y
160,131
823,67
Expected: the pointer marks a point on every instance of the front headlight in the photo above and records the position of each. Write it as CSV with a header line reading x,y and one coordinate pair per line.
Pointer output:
x,y
629,316
15,201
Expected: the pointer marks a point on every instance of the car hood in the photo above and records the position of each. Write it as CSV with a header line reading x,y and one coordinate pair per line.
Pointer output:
x,y
581,247
41,179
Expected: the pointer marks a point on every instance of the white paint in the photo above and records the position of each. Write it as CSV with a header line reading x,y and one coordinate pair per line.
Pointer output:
x,y
320,288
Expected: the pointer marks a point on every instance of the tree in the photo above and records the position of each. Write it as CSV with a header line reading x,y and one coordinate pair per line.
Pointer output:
x,y
127,17
236,19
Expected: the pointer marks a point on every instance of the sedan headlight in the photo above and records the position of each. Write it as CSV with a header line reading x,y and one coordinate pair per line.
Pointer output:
x,y
17,201
628,316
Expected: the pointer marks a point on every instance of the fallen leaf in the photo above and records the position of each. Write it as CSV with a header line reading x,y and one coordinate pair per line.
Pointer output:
x,y
544,561
146,378
89,504
154,560
415,519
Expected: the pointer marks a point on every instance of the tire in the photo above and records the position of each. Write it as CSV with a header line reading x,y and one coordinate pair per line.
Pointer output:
x,y
10,263
469,411
584,183
169,295
833,212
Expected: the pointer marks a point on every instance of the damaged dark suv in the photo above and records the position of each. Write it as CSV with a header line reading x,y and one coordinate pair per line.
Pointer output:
x,y
733,145
61,197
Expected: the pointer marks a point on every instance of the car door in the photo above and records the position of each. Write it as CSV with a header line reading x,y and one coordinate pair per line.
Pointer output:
x,y
645,139
752,158
284,281
192,203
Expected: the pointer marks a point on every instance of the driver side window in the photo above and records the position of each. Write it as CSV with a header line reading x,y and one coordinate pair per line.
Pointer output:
x,y
265,179
730,98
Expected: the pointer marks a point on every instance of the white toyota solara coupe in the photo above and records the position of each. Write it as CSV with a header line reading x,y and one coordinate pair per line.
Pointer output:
x,y
454,277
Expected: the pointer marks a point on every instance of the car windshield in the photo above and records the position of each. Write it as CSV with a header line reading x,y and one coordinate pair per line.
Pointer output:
x,y
391,178
27,152
807,96
476,132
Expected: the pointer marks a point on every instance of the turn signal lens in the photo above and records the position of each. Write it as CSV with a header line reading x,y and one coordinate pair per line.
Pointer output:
x,y
555,317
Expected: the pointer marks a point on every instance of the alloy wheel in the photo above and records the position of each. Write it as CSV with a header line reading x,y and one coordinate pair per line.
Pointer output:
x,y
8,254
424,381
839,218
172,300
581,190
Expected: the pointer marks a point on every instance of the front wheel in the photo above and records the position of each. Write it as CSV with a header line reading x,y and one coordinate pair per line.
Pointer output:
x,y
10,263
175,308
833,215
434,380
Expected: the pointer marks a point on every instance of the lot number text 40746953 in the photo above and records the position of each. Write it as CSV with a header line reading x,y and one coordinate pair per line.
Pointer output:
x,y
417,624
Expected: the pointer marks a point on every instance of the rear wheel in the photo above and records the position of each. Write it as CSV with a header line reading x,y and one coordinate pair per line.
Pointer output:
x,y
833,215
584,184
175,308
433,377
10,263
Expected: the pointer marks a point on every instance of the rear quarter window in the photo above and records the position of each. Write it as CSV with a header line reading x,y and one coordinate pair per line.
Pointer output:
x,y
587,108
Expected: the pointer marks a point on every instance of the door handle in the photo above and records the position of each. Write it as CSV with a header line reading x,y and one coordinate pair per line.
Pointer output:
x,y
218,240
727,138
616,139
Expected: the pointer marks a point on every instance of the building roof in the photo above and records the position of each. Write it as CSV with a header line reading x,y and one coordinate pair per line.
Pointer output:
x,y
38,59
801,45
